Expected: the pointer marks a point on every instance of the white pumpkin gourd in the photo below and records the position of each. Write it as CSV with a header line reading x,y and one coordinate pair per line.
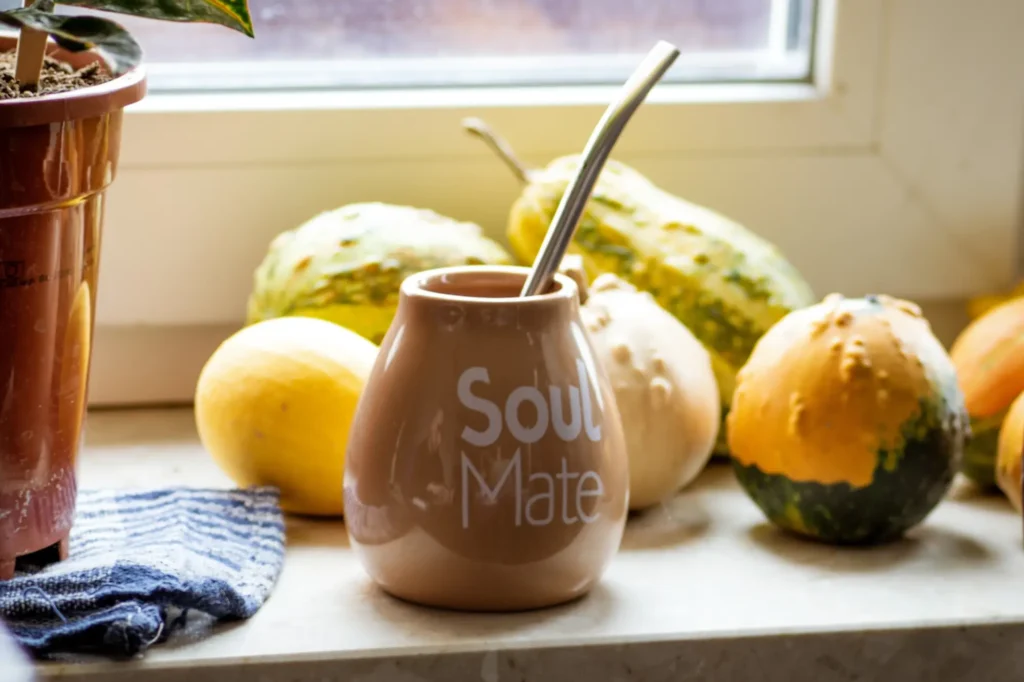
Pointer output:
x,y
663,383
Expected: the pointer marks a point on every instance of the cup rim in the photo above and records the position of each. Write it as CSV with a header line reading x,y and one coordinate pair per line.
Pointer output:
x,y
416,285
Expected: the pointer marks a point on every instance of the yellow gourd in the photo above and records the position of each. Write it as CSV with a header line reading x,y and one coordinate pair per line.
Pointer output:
x,y
274,405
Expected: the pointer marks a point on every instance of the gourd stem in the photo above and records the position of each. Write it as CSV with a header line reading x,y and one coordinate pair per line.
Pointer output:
x,y
499,146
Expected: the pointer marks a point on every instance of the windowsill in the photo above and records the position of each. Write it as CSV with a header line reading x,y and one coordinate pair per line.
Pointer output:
x,y
695,579
428,98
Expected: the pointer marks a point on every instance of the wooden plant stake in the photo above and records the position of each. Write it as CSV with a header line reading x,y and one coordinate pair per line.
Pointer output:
x,y
28,65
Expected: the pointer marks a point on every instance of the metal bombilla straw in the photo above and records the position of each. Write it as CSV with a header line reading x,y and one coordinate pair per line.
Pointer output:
x,y
611,125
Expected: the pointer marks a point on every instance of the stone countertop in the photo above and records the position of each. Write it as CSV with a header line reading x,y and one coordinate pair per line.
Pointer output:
x,y
703,588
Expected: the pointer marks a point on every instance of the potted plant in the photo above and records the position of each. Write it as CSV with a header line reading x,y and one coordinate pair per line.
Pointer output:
x,y
64,83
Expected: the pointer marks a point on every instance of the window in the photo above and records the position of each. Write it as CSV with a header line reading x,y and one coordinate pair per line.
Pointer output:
x,y
856,135
415,43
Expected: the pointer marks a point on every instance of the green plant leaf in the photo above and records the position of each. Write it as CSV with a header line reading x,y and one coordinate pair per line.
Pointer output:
x,y
231,13
79,33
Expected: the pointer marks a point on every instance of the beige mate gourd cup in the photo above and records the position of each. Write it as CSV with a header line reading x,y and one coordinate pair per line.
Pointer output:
x,y
486,468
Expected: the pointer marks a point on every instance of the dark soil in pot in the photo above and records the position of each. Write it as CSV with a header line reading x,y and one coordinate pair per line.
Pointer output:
x,y
57,76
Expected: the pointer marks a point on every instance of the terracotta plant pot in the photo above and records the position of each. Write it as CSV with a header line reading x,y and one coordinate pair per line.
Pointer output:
x,y
59,155
487,466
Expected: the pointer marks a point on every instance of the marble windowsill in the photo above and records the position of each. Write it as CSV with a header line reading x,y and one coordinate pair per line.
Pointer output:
x,y
702,589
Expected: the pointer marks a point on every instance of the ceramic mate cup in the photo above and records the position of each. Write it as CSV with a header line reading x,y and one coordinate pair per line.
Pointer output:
x,y
486,468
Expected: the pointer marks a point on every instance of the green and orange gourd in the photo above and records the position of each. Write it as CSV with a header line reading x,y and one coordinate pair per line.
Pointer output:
x,y
848,424
989,359
1010,449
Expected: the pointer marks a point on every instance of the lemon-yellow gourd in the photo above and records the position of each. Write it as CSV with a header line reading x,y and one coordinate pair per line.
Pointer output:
x,y
274,406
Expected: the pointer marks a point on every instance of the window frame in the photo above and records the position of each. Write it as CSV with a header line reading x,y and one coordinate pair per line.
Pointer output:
x,y
852,175
835,110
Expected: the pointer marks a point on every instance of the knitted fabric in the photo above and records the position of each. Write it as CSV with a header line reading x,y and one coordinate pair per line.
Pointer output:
x,y
140,561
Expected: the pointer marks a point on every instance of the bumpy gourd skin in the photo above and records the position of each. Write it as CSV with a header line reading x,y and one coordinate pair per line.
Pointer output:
x,y
727,285
848,423
346,265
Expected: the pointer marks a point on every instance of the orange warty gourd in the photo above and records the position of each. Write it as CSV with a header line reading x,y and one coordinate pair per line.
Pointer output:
x,y
989,360
848,424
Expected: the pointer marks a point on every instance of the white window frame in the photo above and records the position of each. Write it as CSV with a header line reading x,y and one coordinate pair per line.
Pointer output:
x,y
899,170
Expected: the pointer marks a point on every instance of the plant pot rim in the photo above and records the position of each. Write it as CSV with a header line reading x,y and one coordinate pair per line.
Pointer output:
x,y
88,102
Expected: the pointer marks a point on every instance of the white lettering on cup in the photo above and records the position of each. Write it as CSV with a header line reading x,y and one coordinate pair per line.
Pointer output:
x,y
570,431
487,437
593,431
597,491
526,394
491,495
548,497
541,508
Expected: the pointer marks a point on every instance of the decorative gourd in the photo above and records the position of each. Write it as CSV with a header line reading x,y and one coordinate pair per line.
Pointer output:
x,y
725,283
847,424
980,305
989,359
663,385
346,265
275,405
1011,449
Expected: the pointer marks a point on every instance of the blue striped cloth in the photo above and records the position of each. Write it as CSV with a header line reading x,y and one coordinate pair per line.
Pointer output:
x,y
139,562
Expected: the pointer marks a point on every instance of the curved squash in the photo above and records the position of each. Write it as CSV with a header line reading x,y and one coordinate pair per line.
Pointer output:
x,y
725,283
848,425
